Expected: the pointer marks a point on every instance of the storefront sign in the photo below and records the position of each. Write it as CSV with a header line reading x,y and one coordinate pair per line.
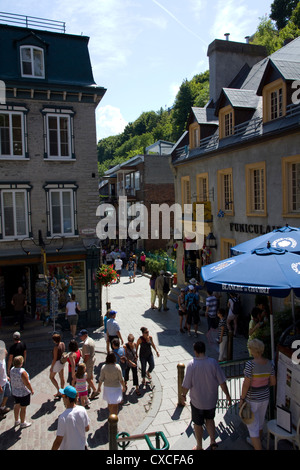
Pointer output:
x,y
252,228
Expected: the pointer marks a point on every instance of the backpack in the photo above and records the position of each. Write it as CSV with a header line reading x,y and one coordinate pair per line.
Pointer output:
x,y
192,303
166,287
236,308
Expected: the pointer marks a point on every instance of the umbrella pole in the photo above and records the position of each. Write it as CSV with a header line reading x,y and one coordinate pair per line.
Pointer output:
x,y
293,309
272,329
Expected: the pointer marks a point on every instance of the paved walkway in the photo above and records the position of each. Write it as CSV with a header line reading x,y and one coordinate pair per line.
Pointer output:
x,y
155,410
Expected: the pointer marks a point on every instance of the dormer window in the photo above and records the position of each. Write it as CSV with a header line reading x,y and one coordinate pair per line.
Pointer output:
x,y
226,120
194,131
274,100
32,62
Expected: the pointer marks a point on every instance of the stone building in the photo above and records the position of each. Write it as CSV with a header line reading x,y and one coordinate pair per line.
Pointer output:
x,y
48,166
240,155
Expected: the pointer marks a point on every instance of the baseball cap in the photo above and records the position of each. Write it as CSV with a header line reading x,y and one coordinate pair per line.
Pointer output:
x,y
191,287
69,391
112,312
16,334
193,281
83,332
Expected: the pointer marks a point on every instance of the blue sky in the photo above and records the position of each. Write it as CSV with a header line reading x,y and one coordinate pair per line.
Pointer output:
x,y
142,50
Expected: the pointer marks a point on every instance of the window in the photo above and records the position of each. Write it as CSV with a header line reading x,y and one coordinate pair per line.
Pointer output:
x,y
185,191
225,191
226,119
202,187
15,214
291,186
256,189
194,131
61,209
32,62
58,128
12,135
226,245
274,100
59,138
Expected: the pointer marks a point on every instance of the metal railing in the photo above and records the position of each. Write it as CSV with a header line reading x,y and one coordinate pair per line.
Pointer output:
x,y
234,372
32,22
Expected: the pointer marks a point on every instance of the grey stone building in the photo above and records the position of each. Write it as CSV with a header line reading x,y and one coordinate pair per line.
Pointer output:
x,y
48,167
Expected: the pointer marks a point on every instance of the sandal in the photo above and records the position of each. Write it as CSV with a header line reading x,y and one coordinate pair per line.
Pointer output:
x,y
213,446
148,375
138,392
57,396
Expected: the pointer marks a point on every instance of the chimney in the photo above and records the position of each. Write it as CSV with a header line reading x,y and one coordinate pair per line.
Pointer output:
x,y
247,39
226,59
227,36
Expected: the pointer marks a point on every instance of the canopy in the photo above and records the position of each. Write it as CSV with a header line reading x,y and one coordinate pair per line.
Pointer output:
x,y
286,238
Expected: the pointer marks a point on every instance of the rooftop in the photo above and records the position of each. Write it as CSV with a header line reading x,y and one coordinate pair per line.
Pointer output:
x,y
32,22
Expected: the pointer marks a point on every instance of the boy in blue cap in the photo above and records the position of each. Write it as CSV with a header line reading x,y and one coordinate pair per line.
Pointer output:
x,y
73,423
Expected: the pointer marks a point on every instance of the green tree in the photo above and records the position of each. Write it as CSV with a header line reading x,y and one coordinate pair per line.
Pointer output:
x,y
267,35
281,11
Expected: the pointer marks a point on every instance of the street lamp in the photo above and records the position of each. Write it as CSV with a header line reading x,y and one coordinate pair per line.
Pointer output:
x,y
211,241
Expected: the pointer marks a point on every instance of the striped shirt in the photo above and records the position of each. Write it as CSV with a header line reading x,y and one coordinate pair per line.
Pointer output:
x,y
259,374
212,305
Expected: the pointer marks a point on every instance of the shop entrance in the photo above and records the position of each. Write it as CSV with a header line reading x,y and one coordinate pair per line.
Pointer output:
x,y
12,277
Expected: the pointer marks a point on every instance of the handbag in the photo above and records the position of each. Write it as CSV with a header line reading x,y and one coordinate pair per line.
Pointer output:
x,y
64,358
245,412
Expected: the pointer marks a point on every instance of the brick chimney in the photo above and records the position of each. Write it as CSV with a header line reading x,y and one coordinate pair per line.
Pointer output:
x,y
226,59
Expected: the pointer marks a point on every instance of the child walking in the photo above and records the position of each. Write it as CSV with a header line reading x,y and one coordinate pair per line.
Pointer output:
x,y
81,385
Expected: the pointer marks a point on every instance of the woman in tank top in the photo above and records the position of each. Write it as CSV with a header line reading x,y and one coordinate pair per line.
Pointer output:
x,y
56,366
145,342
73,360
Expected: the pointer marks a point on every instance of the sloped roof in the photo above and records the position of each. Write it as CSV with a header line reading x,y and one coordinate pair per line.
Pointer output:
x,y
205,115
240,98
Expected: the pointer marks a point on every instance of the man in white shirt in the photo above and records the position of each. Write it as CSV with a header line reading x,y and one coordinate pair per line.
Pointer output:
x,y
118,267
73,423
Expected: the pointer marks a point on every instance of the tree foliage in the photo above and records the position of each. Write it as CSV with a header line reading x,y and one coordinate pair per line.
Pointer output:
x,y
152,126
281,12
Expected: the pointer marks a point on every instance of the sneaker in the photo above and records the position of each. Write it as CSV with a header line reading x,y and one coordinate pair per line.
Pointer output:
x,y
17,423
4,410
25,425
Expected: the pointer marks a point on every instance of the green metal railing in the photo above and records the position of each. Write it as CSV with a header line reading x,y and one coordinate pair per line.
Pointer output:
x,y
124,439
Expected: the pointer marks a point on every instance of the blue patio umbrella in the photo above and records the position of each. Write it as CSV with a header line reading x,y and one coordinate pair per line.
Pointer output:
x,y
268,271
286,238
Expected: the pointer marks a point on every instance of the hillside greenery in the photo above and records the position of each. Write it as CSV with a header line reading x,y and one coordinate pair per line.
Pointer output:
x,y
169,124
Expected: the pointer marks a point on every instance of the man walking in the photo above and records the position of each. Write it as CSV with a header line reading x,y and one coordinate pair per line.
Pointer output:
x,y
73,423
118,267
19,303
159,288
112,329
88,355
17,349
202,378
211,311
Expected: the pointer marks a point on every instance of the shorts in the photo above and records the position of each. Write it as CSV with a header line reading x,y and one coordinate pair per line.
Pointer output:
x,y
193,317
22,401
130,273
58,366
83,394
181,313
199,416
72,319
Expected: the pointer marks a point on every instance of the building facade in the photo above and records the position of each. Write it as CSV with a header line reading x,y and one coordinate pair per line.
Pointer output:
x,y
143,182
240,154
48,168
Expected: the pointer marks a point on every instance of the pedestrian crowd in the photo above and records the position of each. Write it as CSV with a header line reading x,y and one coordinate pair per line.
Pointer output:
x,y
121,362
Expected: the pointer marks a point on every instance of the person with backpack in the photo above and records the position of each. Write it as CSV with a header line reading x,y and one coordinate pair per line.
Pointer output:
x,y
233,311
192,308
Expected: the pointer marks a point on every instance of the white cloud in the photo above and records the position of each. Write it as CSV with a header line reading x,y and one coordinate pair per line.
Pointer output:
x,y
234,17
109,121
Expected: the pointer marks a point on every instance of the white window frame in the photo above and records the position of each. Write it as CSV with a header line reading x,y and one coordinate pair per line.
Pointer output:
x,y
10,115
15,236
61,191
31,61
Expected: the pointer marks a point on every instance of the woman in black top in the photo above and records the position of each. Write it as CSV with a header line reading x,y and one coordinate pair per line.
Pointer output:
x,y
131,356
145,342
